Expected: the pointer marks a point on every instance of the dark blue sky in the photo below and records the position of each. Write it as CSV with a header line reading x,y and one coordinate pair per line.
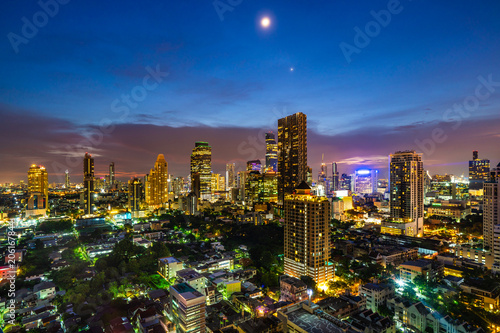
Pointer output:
x,y
231,76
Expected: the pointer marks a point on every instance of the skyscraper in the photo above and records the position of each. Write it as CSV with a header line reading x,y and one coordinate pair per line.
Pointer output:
x,y
479,172
88,183
271,153
67,184
292,153
491,211
407,191
38,188
254,165
201,165
307,235
335,177
157,184
365,181
135,194
111,174
230,176
38,180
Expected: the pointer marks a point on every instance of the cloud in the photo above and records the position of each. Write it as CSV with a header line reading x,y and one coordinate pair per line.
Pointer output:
x,y
60,145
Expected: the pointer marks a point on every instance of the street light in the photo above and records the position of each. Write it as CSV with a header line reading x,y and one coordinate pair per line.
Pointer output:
x,y
309,292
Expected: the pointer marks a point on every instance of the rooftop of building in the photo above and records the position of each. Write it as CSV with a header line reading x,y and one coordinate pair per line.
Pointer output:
x,y
169,260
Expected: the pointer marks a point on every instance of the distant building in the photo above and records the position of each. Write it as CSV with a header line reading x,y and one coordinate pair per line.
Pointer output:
x,y
254,165
88,183
335,178
230,176
271,153
156,185
407,192
201,170
135,194
479,172
292,153
112,180
365,181
38,190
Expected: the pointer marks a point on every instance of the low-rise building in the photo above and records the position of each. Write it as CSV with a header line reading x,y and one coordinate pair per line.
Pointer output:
x,y
169,266
431,270
292,289
376,294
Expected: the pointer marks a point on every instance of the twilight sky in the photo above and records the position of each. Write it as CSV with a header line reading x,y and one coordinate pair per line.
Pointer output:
x,y
127,80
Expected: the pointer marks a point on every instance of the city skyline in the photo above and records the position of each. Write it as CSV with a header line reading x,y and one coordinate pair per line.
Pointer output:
x,y
361,107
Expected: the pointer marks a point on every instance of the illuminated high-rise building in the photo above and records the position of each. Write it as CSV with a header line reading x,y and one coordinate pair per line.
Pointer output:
x,y
271,153
187,308
156,188
135,194
218,183
479,172
307,235
38,180
230,176
260,187
67,183
335,177
38,188
346,182
365,181
88,183
112,174
491,211
254,165
292,153
201,170
406,185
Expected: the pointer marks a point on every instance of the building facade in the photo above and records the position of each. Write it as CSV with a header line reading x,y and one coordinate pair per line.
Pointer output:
x,y
292,153
307,235
406,187
201,170
156,185
88,183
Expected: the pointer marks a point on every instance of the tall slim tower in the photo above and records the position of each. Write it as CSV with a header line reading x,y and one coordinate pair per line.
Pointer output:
x,y
271,153
112,174
88,183
292,153
135,194
157,184
230,176
307,235
407,189
67,183
335,177
479,172
201,168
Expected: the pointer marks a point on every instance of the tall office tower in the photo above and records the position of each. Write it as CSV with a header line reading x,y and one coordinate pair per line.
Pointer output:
x,y
218,183
271,153
365,181
157,184
292,153
67,184
307,235
187,307
491,211
201,165
479,172
407,191
254,165
323,173
135,194
230,176
88,183
38,188
335,177
112,174
38,180
346,182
